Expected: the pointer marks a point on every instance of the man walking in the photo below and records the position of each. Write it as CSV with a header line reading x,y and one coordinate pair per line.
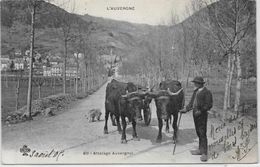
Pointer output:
x,y
201,102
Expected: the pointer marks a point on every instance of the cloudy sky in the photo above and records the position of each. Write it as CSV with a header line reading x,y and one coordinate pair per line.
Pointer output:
x,y
146,11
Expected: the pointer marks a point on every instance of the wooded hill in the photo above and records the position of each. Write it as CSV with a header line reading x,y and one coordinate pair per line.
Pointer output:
x,y
195,45
102,34
143,47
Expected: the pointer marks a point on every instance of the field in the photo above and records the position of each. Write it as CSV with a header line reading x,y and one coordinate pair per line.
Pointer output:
x,y
248,97
8,87
248,93
217,86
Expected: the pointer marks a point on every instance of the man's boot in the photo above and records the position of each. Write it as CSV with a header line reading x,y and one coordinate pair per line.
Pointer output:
x,y
195,152
204,158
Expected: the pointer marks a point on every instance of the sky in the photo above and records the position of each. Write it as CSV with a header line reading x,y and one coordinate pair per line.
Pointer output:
x,y
151,12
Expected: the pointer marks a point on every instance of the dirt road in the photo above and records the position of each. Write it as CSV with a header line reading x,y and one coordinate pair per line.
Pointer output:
x,y
78,141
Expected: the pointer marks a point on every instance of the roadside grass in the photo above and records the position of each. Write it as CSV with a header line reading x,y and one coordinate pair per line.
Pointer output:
x,y
8,94
248,94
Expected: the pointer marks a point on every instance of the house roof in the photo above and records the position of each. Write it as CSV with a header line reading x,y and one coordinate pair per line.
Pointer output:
x,y
4,56
4,61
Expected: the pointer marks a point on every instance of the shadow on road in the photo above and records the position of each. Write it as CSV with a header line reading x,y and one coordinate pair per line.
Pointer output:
x,y
150,132
186,136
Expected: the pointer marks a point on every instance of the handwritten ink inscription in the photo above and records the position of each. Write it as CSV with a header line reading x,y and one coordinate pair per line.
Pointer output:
x,y
233,135
26,151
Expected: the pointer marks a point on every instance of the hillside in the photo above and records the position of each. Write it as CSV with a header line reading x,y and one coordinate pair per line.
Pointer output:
x,y
130,41
105,34
123,36
15,16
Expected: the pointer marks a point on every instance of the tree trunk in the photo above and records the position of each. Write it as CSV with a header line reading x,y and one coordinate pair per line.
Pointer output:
x,y
6,80
71,90
87,77
226,89
187,79
246,77
232,66
97,79
92,78
54,84
238,85
29,95
239,70
77,71
39,91
84,81
64,66
209,75
184,50
51,85
17,94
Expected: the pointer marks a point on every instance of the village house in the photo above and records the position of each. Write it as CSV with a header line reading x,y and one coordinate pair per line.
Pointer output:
x,y
57,70
4,63
18,63
71,71
53,70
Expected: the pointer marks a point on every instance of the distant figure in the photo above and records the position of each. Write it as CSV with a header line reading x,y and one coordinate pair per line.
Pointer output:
x,y
92,114
201,102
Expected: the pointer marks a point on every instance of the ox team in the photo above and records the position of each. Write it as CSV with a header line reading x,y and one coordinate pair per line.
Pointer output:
x,y
124,100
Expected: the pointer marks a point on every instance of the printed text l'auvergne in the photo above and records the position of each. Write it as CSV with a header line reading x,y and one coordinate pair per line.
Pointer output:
x,y
118,8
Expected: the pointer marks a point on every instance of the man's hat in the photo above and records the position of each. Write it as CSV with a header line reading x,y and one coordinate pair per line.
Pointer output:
x,y
199,80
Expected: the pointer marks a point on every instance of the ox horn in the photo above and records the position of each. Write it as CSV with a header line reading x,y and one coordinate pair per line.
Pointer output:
x,y
143,93
125,96
152,94
128,94
174,94
160,93
155,94
150,89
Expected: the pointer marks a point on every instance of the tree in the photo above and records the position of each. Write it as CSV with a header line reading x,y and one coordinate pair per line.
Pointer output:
x,y
12,67
63,22
19,75
39,81
229,22
32,4
85,49
79,48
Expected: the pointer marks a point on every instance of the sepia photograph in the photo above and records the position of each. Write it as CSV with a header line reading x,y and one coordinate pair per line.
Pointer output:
x,y
129,82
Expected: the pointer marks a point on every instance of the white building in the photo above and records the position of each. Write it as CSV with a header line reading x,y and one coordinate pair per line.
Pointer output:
x,y
18,65
4,63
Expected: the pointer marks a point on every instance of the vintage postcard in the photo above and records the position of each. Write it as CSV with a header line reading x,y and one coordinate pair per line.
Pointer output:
x,y
129,82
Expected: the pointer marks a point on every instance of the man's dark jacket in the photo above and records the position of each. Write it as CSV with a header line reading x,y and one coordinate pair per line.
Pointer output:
x,y
204,100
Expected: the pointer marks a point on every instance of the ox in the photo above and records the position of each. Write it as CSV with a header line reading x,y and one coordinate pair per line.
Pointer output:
x,y
130,106
123,100
168,104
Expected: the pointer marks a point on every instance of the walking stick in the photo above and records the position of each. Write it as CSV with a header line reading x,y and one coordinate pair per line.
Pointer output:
x,y
178,124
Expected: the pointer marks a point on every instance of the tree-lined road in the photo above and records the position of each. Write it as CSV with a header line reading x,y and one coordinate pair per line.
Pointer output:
x,y
71,132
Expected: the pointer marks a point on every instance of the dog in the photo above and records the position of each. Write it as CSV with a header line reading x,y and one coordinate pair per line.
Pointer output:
x,y
92,114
